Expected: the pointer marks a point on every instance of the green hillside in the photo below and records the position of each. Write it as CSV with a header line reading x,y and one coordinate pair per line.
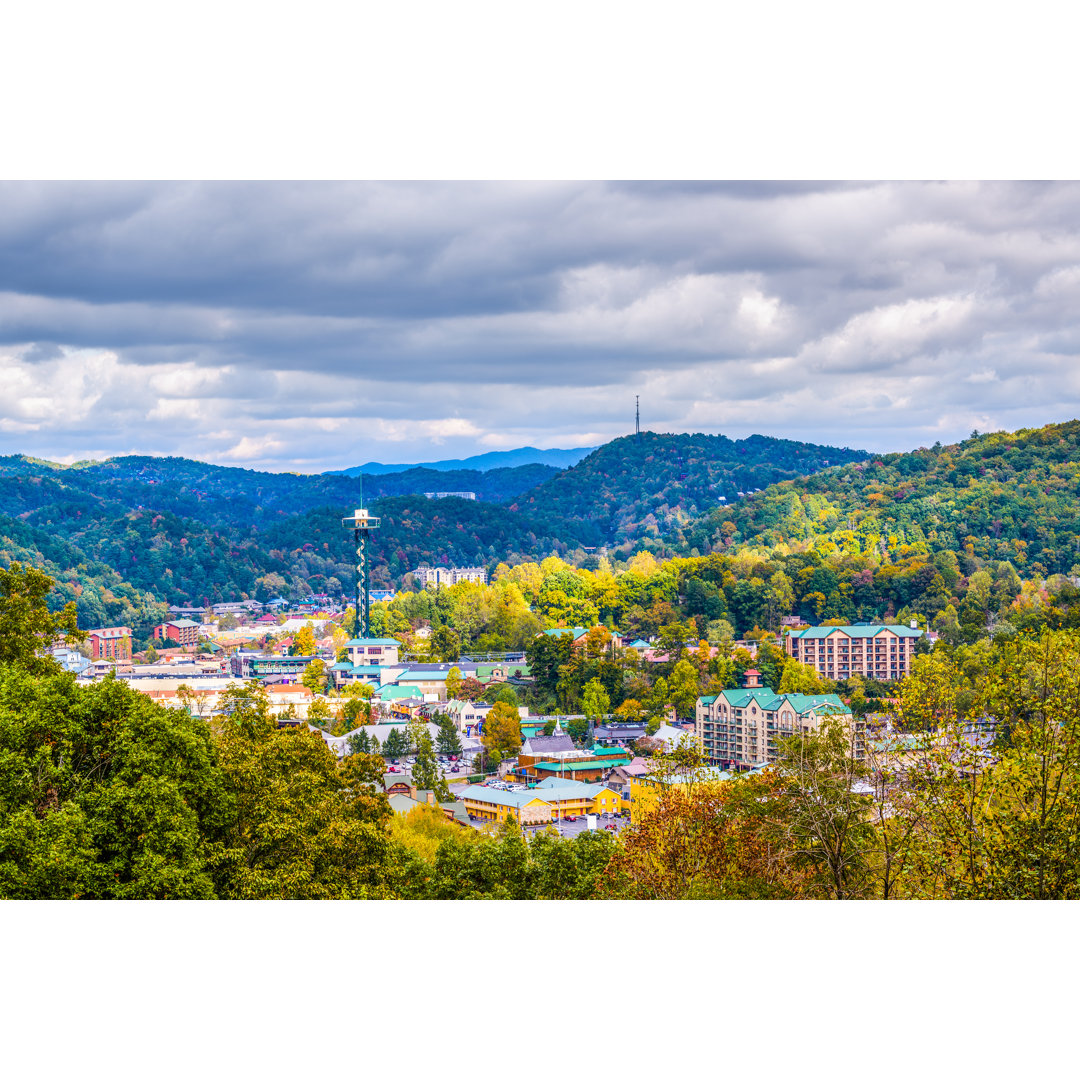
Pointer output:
x,y
643,487
178,531
1006,496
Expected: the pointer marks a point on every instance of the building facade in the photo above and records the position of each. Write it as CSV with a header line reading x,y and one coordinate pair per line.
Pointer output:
x,y
110,643
449,575
739,729
838,652
181,631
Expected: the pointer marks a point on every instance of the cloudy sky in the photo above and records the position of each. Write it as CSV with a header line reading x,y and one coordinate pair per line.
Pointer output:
x,y
315,326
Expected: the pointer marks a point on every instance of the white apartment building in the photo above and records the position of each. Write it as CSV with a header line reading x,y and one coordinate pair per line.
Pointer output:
x,y
449,575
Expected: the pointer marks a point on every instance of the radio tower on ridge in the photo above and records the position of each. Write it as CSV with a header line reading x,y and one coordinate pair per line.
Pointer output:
x,y
637,415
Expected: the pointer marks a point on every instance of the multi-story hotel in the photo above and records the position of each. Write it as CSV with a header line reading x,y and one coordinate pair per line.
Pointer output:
x,y
182,631
110,643
449,575
739,728
837,652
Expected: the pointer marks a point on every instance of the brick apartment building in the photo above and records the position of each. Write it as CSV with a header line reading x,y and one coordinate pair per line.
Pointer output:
x,y
837,652
181,631
110,643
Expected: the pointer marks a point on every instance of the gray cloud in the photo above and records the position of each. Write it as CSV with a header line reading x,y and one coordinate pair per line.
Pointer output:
x,y
315,325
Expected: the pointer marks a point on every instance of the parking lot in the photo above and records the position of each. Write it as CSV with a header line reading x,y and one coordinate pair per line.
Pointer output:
x,y
445,769
572,828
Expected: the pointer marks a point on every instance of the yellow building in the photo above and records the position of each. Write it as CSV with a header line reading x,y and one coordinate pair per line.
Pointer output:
x,y
547,802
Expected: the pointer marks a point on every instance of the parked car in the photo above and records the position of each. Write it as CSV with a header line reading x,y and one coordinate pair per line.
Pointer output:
x,y
569,817
455,769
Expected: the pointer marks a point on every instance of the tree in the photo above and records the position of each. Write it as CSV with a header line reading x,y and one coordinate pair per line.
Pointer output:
x,y
356,710
595,700
197,702
151,654
315,676
27,627
577,727
449,741
304,641
445,645
104,793
302,826
799,678
360,742
683,688
704,840
1001,816
395,745
471,689
318,712
453,683
630,711
502,731
425,770
818,816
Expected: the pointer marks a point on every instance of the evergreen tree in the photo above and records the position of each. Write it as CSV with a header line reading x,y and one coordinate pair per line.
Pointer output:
x,y
425,770
449,741
395,746
360,743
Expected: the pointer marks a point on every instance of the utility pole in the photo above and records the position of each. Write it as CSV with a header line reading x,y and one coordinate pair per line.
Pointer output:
x,y
361,523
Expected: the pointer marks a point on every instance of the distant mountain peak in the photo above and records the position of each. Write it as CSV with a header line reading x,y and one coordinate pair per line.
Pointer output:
x,y
493,459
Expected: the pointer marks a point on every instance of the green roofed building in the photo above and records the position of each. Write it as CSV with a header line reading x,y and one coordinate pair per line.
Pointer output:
x,y
741,728
873,650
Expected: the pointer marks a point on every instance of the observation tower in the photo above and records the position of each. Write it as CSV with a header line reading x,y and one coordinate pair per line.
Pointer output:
x,y
361,523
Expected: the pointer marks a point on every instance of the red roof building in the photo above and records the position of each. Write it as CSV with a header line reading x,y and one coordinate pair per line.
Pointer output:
x,y
110,643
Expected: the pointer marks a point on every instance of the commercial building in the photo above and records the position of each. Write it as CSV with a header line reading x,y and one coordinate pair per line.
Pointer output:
x,y
110,643
371,660
278,668
546,756
543,804
838,652
740,728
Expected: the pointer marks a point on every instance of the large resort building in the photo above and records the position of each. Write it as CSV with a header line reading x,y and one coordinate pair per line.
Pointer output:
x,y
739,729
449,575
838,652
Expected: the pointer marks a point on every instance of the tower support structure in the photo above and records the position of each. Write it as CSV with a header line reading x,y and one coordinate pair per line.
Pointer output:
x,y
361,522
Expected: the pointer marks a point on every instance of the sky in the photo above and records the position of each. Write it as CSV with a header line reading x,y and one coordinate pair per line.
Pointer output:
x,y
312,326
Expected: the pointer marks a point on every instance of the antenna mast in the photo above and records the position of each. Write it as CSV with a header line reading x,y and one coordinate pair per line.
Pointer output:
x,y
637,415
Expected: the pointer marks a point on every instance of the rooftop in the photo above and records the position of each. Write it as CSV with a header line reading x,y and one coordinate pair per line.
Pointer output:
x,y
867,630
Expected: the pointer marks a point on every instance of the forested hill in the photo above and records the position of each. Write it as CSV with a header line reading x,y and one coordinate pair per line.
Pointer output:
x,y
1006,496
643,487
219,495
124,536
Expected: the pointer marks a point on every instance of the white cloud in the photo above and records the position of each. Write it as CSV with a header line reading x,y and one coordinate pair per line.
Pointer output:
x,y
316,326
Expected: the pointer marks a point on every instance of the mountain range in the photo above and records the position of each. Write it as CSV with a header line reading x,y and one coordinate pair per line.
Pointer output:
x,y
494,459
125,536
